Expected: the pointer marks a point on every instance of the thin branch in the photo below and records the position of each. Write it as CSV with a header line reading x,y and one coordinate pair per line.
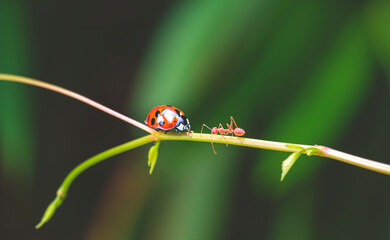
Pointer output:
x,y
280,146
62,191
355,160
196,137
238,141
37,83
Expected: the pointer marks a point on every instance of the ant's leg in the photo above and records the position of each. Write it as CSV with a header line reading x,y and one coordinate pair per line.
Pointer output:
x,y
211,137
204,125
230,129
222,134
235,124
212,145
232,120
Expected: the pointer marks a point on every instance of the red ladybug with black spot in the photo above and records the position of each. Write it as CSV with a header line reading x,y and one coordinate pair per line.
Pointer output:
x,y
165,118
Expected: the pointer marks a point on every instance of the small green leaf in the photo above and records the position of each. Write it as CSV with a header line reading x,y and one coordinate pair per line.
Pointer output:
x,y
152,156
289,162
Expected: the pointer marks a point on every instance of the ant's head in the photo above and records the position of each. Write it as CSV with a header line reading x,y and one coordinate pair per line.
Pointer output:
x,y
214,130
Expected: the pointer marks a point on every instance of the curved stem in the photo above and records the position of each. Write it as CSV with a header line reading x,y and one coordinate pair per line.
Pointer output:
x,y
100,157
245,142
52,87
63,189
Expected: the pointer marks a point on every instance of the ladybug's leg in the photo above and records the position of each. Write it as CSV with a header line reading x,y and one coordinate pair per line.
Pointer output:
x,y
188,134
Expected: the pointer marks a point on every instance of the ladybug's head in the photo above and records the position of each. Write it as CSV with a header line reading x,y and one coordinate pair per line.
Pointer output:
x,y
183,124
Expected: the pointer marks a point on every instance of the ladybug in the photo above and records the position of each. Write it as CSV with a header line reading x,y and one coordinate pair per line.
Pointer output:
x,y
166,118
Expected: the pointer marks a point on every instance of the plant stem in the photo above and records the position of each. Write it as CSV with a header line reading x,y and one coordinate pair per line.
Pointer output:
x,y
247,142
280,146
100,157
63,189
52,87
355,160
196,137
238,141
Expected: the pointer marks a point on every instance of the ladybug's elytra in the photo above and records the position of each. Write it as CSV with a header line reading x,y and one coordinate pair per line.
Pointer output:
x,y
166,118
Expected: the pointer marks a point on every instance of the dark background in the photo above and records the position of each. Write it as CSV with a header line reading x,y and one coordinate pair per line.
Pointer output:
x,y
312,72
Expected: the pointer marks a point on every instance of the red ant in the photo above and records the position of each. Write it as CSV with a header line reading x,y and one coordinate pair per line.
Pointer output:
x,y
236,131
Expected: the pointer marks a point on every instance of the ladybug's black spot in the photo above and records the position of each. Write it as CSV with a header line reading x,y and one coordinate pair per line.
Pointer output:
x,y
153,121
161,123
178,112
157,113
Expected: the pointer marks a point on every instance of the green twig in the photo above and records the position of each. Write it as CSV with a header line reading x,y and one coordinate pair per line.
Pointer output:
x,y
63,189
284,147
196,137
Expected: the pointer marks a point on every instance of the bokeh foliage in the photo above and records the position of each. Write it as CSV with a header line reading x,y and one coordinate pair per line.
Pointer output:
x,y
313,72
17,133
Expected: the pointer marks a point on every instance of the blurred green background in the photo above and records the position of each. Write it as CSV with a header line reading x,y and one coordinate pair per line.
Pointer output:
x,y
312,72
